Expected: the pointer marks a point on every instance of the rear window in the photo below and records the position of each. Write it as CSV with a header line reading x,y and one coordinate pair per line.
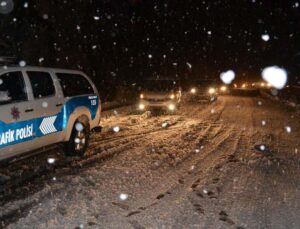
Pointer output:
x,y
12,88
74,84
41,83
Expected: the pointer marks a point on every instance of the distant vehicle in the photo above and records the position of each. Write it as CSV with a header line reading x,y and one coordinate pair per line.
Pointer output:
x,y
224,90
204,91
44,106
160,94
242,86
249,85
262,85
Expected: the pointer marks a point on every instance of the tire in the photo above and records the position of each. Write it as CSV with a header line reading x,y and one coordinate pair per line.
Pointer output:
x,y
79,140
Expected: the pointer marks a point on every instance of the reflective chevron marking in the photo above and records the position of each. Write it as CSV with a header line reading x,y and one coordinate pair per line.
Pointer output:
x,y
47,125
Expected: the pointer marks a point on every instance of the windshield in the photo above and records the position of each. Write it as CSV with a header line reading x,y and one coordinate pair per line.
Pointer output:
x,y
204,83
160,85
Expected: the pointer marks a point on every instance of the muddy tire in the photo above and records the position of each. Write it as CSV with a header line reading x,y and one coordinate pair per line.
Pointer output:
x,y
79,140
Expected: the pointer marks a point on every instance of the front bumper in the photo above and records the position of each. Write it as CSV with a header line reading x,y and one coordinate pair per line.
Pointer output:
x,y
169,105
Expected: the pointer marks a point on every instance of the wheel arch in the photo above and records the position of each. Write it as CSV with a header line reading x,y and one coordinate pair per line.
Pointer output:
x,y
80,114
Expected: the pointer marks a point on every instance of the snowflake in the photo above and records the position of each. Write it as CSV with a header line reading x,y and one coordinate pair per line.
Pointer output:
x,y
51,160
3,3
22,63
262,147
116,129
288,129
265,37
189,65
44,104
227,77
164,125
123,196
275,76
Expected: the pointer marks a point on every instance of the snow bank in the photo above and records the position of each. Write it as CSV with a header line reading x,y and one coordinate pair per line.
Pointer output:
x,y
282,101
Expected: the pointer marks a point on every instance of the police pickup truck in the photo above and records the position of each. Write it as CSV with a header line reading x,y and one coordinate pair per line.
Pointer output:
x,y
44,106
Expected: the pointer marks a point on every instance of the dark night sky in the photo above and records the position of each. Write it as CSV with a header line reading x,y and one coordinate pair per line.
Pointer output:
x,y
113,39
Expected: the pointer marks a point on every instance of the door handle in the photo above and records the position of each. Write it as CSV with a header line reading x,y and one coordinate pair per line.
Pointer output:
x,y
59,105
29,110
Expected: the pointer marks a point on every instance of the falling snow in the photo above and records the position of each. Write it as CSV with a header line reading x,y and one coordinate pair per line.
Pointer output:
x,y
22,63
288,129
265,37
183,169
51,160
123,196
116,129
227,77
275,76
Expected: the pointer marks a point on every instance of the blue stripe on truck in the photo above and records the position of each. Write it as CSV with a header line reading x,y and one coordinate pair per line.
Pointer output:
x,y
18,132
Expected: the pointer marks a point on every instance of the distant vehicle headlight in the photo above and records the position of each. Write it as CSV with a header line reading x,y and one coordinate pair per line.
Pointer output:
x,y
223,88
244,85
142,96
141,107
262,84
171,107
172,96
193,90
212,91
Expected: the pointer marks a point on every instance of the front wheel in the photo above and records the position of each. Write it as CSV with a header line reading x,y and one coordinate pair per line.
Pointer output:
x,y
79,140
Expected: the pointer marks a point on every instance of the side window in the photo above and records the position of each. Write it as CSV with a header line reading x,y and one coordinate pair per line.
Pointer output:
x,y
12,88
74,84
41,83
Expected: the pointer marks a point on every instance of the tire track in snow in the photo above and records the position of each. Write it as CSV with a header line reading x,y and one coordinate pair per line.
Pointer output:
x,y
179,188
19,186
23,172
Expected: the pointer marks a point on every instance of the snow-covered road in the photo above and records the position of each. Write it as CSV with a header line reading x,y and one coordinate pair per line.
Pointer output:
x,y
230,164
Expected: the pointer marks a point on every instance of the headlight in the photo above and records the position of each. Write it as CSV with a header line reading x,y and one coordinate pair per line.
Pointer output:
x,y
223,88
244,85
141,106
193,90
172,96
262,84
212,91
171,107
142,96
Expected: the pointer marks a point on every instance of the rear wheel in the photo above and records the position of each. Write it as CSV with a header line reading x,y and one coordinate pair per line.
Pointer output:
x,y
79,140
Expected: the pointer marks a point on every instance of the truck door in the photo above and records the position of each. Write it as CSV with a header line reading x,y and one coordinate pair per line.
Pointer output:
x,y
16,119
47,104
